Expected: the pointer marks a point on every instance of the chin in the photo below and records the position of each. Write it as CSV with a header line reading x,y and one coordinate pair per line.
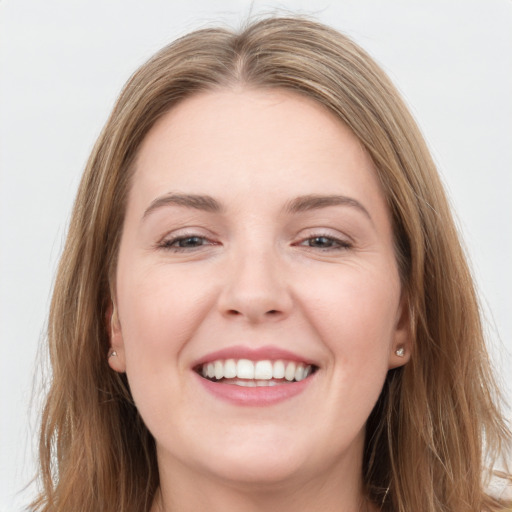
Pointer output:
x,y
258,459
260,470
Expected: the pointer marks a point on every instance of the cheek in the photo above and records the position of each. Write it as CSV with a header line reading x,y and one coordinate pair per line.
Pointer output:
x,y
159,311
355,312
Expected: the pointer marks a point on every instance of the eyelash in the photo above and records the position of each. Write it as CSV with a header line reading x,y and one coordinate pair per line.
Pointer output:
x,y
168,244
336,244
339,244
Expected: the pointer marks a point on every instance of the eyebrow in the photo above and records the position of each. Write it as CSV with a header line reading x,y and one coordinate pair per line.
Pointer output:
x,y
196,202
316,202
297,205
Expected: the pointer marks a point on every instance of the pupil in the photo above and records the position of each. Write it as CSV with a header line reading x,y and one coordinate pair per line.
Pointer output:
x,y
321,241
192,241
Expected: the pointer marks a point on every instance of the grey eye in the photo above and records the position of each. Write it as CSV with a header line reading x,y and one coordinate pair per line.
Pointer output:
x,y
321,242
189,241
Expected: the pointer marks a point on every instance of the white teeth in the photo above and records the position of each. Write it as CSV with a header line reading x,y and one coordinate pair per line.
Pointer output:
x,y
289,373
219,370
278,370
230,369
245,369
262,372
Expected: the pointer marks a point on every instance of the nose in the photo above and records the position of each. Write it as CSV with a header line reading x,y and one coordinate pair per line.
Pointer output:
x,y
255,288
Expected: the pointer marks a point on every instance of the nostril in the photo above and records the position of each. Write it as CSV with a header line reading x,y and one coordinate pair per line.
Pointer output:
x,y
254,315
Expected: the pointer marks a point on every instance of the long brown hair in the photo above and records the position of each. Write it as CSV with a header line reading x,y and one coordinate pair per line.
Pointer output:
x,y
436,425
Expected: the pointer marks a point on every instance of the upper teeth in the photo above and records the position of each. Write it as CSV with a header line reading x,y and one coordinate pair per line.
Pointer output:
x,y
260,370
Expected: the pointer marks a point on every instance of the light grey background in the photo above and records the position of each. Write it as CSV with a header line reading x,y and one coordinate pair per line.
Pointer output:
x,y
62,64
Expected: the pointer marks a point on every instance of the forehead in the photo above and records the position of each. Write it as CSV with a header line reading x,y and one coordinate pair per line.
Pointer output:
x,y
253,142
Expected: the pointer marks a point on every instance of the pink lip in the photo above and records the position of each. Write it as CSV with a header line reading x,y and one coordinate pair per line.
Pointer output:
x,y
253,396
253,354
257,396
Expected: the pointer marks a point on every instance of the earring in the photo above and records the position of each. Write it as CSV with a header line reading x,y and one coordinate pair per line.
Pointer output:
x,y
112,353
400,352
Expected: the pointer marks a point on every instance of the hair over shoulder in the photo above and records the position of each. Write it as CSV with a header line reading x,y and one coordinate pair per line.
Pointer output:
x,y
436,432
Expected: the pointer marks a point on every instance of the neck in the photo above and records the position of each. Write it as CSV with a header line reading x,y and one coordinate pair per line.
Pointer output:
x,y
337,489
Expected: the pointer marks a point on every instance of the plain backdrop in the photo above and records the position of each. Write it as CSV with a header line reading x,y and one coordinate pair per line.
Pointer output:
x,y
62,64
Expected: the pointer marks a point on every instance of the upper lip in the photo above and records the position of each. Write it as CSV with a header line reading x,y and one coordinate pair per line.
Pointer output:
x,y
254,354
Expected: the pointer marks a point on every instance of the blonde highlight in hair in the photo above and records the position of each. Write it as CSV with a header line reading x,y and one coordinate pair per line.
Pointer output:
x,y
436,421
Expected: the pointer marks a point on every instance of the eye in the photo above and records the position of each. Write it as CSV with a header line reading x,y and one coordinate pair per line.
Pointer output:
x,y
325,242
183,243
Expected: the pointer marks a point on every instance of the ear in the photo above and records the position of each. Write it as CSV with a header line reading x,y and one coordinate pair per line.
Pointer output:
x,y
402,346
116,354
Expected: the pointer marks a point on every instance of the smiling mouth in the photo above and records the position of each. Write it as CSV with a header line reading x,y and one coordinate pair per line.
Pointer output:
x,y
247,373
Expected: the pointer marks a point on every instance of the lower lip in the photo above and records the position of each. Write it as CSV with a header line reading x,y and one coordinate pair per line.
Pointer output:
x,y
255,396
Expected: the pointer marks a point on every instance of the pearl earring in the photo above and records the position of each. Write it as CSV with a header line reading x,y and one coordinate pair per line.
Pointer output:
x,y
112,353
400,352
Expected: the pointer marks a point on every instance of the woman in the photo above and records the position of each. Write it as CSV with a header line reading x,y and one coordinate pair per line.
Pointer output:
x,y
263,303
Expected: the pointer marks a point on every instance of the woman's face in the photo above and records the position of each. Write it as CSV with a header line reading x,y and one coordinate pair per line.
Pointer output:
x,y
256,239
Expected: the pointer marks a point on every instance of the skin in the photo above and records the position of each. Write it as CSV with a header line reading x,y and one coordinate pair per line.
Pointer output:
x,y
322,282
